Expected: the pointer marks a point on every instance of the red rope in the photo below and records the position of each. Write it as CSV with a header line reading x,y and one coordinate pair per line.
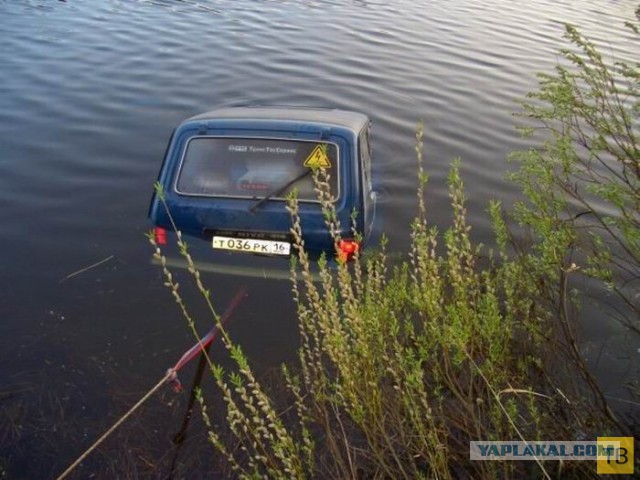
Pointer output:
x,y
204,341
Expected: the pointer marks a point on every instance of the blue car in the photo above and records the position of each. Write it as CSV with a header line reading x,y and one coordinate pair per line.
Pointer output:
x,y
226,175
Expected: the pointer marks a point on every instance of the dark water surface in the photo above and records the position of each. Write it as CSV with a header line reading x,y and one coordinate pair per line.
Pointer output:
x,y
90,91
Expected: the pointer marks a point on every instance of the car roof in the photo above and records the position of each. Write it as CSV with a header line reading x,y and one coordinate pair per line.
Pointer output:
x,y
330,116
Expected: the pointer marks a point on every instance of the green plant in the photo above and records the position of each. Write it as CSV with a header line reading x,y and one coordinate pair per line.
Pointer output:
x,y
583,184
401,366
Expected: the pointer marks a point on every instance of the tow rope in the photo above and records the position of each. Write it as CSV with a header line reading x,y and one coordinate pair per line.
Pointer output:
x,y
205,341
170,376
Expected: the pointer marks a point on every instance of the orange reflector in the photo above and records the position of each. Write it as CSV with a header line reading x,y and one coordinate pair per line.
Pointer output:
x,y
348,248
160,235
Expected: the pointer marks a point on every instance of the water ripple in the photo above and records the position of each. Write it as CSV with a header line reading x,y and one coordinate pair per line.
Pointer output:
x,y
92,90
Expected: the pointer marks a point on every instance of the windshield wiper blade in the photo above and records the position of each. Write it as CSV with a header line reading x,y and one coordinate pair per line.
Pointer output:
x,y
280,189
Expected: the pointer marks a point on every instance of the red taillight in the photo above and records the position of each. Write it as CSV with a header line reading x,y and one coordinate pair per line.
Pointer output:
x,y
160,235
348,248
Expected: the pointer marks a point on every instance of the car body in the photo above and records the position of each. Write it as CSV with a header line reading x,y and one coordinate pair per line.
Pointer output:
x,y
226,175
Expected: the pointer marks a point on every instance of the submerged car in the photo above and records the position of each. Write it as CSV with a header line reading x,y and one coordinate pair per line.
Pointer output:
x,y
227,173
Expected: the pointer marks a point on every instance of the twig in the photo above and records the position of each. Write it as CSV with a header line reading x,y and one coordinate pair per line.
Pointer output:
x,y
522,390
71,275
629,402
497,397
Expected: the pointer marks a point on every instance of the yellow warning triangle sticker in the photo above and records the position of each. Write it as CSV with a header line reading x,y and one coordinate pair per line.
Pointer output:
x,y
318,158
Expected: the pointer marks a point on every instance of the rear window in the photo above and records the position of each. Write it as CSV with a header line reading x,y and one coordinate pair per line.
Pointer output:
x,y
254,167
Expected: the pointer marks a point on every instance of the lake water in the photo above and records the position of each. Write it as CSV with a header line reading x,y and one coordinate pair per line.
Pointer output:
x,y
91,91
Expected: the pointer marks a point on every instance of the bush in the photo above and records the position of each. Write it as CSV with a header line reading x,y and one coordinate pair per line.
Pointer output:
x,y
583,184
401,367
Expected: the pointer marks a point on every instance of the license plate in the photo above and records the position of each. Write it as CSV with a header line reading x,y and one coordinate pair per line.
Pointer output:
x,y
250,245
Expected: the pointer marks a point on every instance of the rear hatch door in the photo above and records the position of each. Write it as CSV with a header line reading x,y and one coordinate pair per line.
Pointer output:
x,y
234,186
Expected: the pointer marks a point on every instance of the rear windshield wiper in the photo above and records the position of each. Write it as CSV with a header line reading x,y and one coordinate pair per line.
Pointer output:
x,y
280,189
